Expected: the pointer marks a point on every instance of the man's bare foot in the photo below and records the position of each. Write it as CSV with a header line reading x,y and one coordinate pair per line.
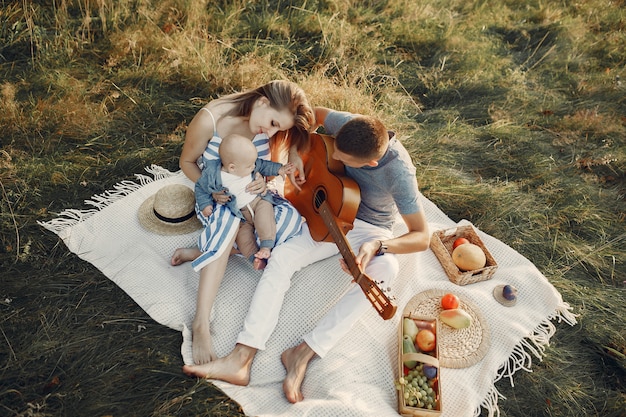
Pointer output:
x,y
295,361
182,255
233,368
202,344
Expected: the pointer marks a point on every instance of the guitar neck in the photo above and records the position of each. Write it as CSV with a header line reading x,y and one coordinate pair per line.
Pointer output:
x,y
374,294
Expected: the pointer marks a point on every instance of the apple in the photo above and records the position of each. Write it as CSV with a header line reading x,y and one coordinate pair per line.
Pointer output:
x,y
425,340
459,241
449,301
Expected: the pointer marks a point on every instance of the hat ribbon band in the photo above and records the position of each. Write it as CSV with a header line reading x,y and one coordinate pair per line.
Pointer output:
x,y
176,219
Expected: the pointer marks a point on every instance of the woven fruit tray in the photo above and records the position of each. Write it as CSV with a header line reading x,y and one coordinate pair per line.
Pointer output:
x,y
441,244
419,390
457,348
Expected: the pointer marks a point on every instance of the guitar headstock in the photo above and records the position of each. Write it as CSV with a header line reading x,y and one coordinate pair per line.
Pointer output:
x,y
385,307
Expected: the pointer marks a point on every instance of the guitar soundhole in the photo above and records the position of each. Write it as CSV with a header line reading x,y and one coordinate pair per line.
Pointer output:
x,y
319,198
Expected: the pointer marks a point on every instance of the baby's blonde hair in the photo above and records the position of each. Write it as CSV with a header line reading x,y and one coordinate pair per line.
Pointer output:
x,y
234,147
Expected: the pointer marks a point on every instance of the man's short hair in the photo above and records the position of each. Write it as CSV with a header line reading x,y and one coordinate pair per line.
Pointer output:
x,y
363,137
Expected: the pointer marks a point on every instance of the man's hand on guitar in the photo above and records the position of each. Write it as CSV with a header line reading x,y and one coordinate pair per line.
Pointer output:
x,y
366,252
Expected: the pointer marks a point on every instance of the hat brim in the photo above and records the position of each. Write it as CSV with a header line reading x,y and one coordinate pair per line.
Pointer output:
x,y
497,294
151,223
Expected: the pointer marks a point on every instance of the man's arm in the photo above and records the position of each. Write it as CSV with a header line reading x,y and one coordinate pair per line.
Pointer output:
x,y
320,115
417,239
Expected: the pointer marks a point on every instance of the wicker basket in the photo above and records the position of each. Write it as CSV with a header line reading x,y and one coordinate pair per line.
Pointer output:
x,y
404,409
441,245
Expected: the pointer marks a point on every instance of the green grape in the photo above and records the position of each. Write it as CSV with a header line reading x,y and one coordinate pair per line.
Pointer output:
x,y
416,389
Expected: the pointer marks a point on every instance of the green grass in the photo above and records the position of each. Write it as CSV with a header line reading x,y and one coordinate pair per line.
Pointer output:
x,y
514,113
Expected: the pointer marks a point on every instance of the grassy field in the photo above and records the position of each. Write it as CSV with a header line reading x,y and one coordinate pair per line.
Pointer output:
x,y
514,113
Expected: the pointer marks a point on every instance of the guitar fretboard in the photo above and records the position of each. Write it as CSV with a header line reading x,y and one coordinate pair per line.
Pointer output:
x,y
377,298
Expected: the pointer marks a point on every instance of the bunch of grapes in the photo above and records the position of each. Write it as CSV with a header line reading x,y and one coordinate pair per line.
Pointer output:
x,y
417,390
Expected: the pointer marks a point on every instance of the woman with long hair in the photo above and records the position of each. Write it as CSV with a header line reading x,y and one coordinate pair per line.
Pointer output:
x,y
258,114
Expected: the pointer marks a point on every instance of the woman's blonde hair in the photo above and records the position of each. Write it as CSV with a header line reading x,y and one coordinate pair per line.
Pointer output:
x,y
281,95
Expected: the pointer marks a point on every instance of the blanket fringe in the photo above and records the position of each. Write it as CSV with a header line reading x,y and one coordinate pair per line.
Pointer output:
x,y
521,357
70,217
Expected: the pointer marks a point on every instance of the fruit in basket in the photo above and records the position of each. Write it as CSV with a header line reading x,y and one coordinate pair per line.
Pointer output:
x,y
425,324
430,371
459,241
408,347
409,328
456,318
426,340
416,390
468,257
449,301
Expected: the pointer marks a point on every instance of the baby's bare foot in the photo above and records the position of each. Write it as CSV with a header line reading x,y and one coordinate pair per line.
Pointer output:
x,y
182,255
263,253
260,258
259,264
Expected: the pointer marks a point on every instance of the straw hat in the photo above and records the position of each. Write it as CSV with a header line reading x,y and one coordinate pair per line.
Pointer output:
x,y
171,211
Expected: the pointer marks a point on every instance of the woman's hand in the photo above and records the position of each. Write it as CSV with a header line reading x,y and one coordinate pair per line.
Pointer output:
x,y
296,160
257,186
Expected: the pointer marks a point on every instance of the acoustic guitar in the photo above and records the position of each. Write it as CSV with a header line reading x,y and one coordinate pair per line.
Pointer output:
x,y
329,201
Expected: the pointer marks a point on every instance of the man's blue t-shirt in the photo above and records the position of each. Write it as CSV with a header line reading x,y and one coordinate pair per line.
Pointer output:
x,y
387,188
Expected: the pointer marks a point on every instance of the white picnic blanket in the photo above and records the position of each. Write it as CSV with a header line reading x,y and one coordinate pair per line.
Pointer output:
x,y
357,376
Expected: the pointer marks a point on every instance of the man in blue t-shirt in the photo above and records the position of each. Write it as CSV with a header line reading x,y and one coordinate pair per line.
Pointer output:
x,y
383,169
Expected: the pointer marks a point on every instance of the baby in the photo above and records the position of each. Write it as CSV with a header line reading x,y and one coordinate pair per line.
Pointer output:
x,y
231,173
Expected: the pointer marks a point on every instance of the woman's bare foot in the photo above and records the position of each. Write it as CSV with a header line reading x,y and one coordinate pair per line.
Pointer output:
x,y
182,255
202,344
295,361
233,368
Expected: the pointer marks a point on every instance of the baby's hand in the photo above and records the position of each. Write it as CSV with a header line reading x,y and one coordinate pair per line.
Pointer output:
x,y
206,212
287,169
221,197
